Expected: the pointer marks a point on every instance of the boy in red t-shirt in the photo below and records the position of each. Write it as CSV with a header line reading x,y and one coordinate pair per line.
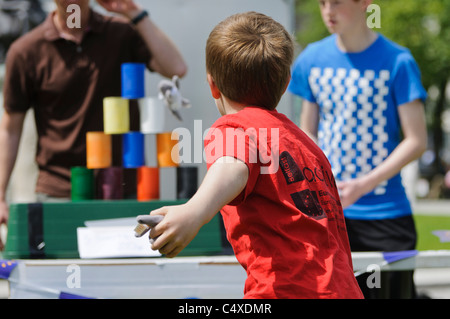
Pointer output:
x,y
273,185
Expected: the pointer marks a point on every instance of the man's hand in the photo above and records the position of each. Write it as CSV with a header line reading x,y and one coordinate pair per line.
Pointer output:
x,y
127,8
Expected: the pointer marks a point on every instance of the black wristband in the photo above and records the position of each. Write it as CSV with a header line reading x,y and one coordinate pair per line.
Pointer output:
x,y
139,17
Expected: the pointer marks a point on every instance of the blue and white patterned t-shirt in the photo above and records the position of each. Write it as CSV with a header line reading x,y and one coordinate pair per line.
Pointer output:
x,y
358,95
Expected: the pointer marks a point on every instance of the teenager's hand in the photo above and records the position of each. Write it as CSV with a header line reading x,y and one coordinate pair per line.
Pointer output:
x,y
350,191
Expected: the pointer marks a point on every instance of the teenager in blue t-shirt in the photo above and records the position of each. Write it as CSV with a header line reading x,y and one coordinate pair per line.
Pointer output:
x,y
363,102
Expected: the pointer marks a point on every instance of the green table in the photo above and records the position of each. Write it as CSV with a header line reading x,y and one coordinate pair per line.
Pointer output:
x,y
49,230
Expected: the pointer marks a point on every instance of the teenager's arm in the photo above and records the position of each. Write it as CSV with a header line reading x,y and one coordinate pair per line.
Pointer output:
x,y
166,58
225,180
309,119
412,119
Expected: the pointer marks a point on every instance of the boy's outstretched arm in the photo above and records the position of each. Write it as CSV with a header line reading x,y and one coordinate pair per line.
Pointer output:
x,y
225,180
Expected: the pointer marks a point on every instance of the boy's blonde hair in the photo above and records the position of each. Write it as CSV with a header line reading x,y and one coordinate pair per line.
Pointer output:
x,y
249,56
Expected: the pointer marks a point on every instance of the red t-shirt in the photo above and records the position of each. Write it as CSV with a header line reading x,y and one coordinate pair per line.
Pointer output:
x,y
287,227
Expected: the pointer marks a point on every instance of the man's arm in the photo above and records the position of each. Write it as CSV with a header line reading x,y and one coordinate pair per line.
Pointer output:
x,y
225,180
412,120
166,58
10,132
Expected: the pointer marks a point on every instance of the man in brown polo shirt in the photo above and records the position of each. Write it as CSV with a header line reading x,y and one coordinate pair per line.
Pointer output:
x,y
64,73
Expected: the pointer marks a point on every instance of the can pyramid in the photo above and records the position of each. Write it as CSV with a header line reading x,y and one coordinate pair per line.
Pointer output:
x,y
144,152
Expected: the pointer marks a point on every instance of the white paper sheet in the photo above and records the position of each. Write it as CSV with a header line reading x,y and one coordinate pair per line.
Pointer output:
x,y
112,242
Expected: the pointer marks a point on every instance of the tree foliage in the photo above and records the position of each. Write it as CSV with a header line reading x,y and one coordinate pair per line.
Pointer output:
x,y
422,26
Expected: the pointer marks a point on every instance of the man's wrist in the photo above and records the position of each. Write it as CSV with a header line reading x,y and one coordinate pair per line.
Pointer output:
x,y
137,18
134,11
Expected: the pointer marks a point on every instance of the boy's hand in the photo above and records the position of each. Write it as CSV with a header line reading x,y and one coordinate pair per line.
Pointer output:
x,y
177,229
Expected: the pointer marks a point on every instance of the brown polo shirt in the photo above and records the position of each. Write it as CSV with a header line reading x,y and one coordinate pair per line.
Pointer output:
x,y
65,84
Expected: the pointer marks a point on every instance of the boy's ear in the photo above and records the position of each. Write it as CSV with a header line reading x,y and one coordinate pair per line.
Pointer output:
x,y
214,89
287,83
